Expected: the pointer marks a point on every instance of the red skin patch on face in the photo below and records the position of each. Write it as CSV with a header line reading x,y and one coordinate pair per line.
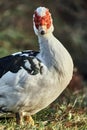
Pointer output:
x,y
43,21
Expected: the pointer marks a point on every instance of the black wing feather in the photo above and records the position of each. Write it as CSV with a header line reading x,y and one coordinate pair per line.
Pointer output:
x,y
14,63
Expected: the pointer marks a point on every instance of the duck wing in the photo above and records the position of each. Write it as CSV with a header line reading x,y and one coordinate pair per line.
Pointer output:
x,y
26,60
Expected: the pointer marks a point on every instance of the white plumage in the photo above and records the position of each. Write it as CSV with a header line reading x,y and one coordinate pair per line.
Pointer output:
x,y
30,81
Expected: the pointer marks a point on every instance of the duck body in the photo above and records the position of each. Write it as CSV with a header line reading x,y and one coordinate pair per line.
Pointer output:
x,y
23,91
30,81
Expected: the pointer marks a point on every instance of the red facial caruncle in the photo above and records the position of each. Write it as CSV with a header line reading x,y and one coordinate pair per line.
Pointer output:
x,y
43,20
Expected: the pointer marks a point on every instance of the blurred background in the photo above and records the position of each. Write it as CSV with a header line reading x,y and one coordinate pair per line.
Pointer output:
x,y
70,22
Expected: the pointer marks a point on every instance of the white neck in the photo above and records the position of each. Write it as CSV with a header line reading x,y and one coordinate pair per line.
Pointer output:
x,y
53,53
44,42
48,48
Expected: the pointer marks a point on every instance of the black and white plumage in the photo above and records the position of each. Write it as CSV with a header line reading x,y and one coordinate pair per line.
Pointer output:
x,y
30,81
13,68
26,60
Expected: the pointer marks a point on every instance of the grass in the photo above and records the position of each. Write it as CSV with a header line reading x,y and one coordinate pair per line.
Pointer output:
x,y
63,114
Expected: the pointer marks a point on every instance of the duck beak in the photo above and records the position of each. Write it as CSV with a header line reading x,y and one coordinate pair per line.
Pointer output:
x,y
42,30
